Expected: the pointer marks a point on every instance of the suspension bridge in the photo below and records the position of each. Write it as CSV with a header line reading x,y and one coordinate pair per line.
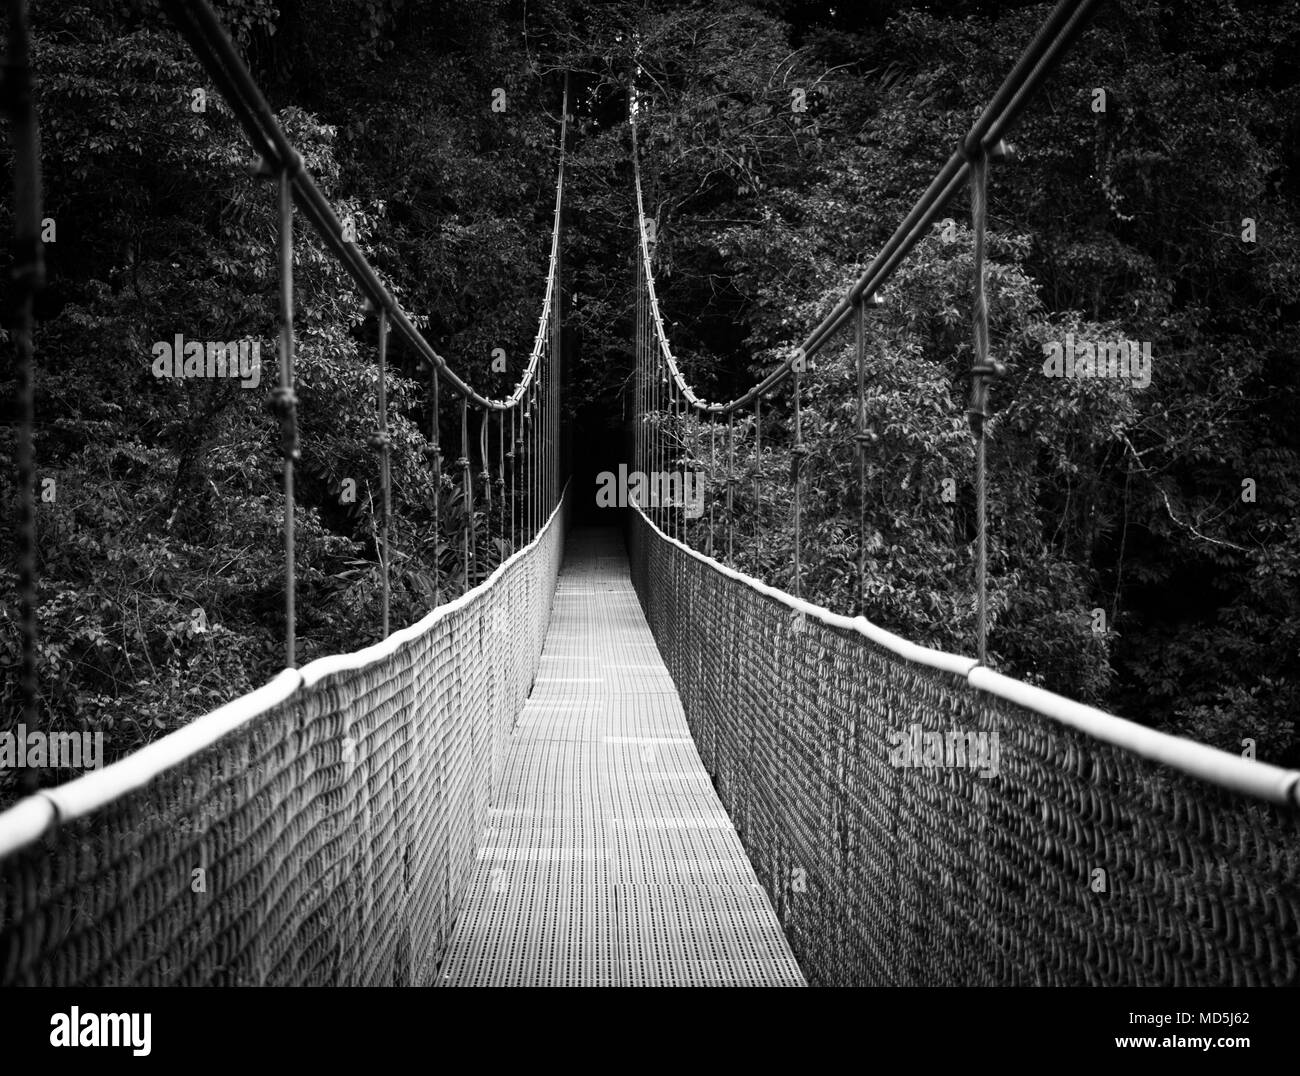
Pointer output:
x,y
615,759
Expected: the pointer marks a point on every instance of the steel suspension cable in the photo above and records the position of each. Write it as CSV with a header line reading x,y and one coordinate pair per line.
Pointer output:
x,y
552,460
662,465
501,484
671,463
485,471
380,441
860,439
647,389
433,453
731,485
540,462
534,456
638,392
485,475
530,420
467,490
512,460
1042,54
758,473
526,473
543,493
797,453
982,372
284,402
656,431
213,47
713,472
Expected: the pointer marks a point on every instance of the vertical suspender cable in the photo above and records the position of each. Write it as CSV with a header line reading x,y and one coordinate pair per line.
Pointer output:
x,y
547,417
758,475
662,439
638,407
864,304
434,452
656,430
557,386
501,482
285,403
543,415
537,450
636,372
860,437
551,462
530,418
670,461
485,471
982,372
643,406
713,472
512,460
467,490
541,439
385,472
645,387
530,422
797,452
526,469
731,480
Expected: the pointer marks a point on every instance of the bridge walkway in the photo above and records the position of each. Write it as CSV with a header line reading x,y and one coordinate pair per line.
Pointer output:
x,y
608,859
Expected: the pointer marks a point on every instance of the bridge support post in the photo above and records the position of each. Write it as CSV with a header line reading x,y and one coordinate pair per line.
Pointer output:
x,y
284,402
981,373
379,441
865,304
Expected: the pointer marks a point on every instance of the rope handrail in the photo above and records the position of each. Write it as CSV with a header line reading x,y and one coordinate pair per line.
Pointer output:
x,y
1040,56
1261,780
214,48
212,45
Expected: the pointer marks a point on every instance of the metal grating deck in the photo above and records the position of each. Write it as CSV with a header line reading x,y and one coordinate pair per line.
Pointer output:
x,y
608,860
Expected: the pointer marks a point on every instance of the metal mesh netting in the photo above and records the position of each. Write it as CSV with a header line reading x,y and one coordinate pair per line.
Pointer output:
x,y
335,832
907,875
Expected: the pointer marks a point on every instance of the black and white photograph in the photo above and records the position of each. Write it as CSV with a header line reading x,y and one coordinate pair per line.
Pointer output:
x,y
793,494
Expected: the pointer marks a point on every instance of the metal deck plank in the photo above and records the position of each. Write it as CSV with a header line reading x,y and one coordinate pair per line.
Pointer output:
x,y
607,859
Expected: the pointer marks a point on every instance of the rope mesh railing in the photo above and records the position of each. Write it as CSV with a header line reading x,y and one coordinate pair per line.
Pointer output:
x,y
1057,851
320,831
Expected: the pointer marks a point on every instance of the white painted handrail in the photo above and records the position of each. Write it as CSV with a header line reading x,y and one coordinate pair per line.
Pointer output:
x,y
1247,776
29,818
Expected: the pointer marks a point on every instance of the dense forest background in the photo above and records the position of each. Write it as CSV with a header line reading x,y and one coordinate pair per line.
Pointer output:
x,y
1123,223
